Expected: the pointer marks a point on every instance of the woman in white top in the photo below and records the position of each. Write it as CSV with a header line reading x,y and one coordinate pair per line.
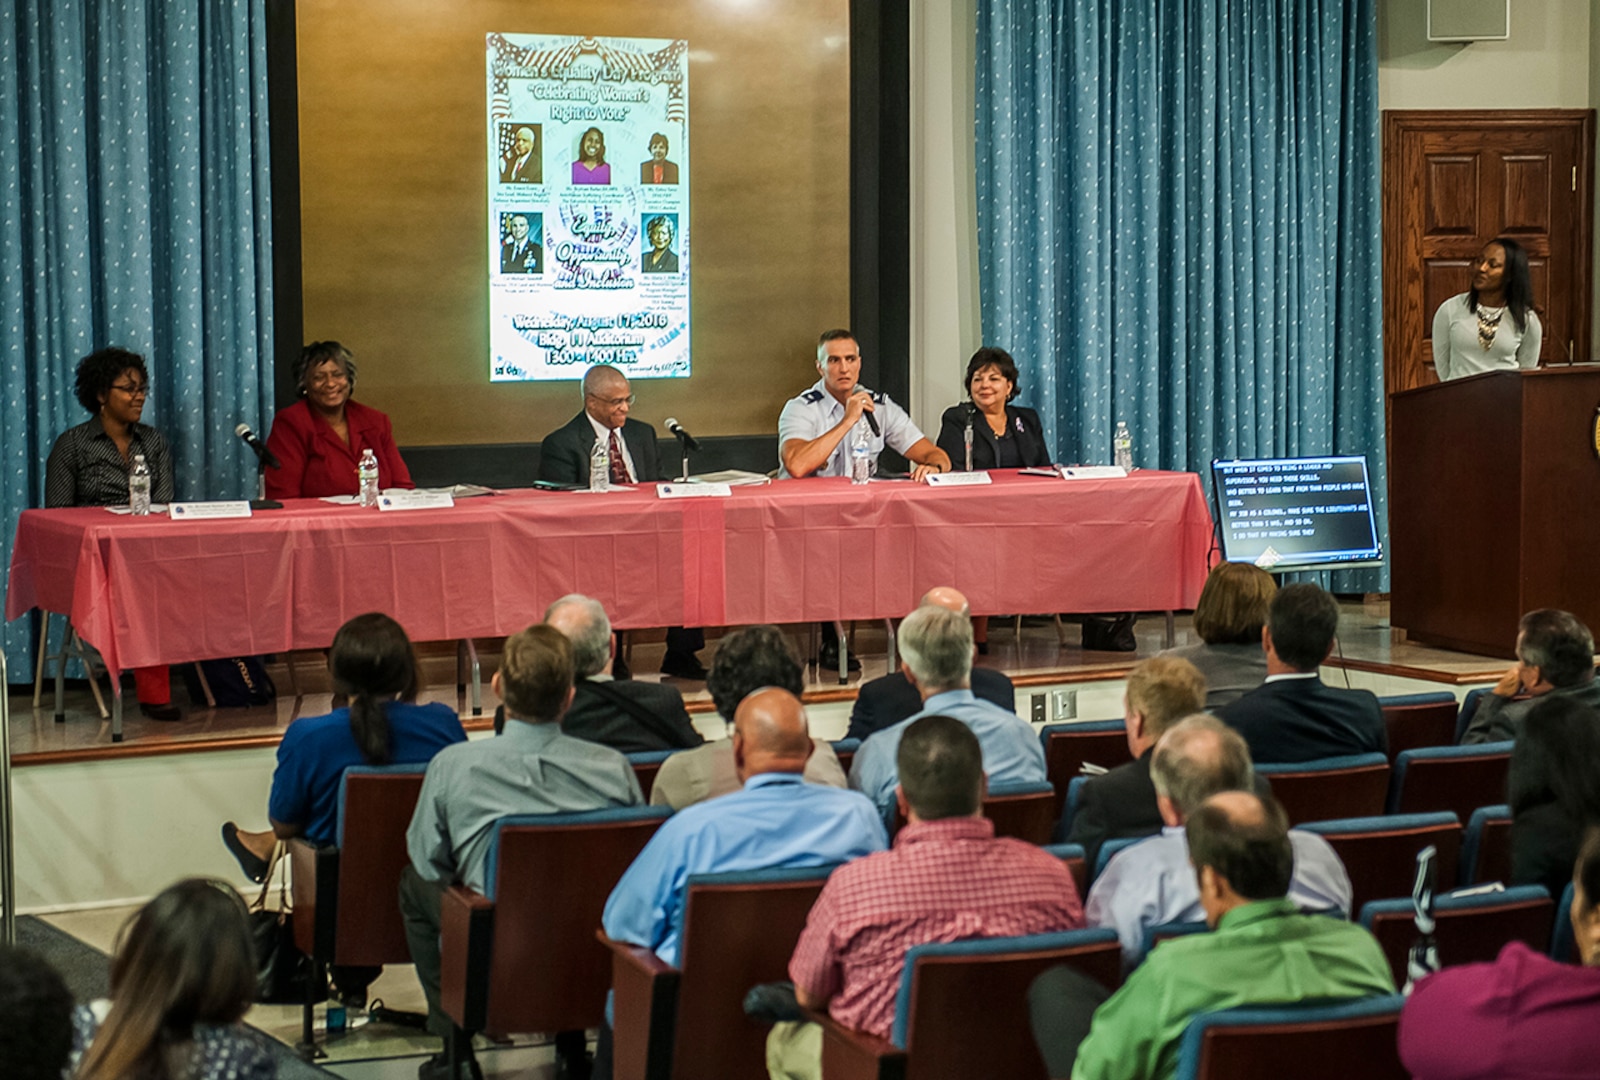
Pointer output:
x,y
1492,326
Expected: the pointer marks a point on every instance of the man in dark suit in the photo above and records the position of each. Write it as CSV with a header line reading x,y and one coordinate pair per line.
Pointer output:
x,y
523,165
630,716
1293,717
1122,804
520,255
658,170
1555,657
885,701
564,459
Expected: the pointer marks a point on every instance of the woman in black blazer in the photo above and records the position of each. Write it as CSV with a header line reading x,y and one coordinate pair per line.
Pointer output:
x,y
1004,436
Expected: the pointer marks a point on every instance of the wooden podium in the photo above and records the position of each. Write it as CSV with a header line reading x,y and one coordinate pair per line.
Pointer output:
x,y
1494,505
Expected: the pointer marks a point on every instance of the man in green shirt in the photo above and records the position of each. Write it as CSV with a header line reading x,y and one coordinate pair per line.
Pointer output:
x,y
1261,951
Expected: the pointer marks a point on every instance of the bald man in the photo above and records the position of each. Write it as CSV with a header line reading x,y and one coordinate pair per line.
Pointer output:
x,y
886,701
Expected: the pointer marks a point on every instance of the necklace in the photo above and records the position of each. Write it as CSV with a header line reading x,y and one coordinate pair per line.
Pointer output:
x,y
1489,325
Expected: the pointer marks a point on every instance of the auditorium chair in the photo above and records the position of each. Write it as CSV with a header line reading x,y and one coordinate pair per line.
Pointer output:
x,y
1486,851
1322,1041
1415,720
1469,705
1455,778
1380,853
646,764
1069,809
962,1009
1108,849
1563,941
1067,747
1077,864
1024,811
1338,787
346,907
1155,935
688,1021
1467,929
845,751
523,956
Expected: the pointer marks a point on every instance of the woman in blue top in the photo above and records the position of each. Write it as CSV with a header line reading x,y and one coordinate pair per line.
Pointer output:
x,y
373,664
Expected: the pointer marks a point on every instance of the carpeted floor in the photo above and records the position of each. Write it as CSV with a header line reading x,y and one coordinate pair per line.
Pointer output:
x,y
87,972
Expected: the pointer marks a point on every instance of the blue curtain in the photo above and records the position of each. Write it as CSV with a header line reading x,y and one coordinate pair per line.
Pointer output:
x,y
134,211
1179,226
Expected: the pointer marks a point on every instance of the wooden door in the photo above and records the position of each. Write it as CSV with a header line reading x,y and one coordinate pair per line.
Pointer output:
x,y
1453,181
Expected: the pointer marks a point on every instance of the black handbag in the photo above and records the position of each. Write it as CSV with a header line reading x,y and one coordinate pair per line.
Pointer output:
x,y
282,971
235,682
1109,633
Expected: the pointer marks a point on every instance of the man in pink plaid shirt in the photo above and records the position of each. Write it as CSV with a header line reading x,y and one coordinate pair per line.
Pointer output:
x,y
947,878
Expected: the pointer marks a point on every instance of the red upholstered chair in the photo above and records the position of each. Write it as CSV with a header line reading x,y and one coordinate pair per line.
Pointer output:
x,y
1467,929
962,1010
1455,778
1380,853
1417,720
1067,747
1337,787
1022,811
688,1021
1308,1042
1486,852
524,957
1077,864
346,909
646,764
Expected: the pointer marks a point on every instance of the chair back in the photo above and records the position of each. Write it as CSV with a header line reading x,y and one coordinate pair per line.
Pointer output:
x,y
1380,853
646,764
1416,720
1467,929
1155,935
1469,705
845,751
962,1010
1486,852
549,876
1563,941
1024,811
1069,808
1103,858
1338,787
1067,747
1077,864
1455,778
1323,1041
345,907
740,929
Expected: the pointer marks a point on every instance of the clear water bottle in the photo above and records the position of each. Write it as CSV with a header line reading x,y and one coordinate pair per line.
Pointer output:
x,y
367,471
1122,447
600,467
139,487
860,457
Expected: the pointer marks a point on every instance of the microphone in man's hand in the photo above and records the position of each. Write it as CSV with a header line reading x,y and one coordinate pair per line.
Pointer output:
x,y
689,441
267,457
872,422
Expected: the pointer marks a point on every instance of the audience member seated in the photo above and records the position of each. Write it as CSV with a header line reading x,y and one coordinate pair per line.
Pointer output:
x,y
1152,882
948,878
777,820
630,716
182,978
1555,659
1121,804
1262,951
35,1017
1554,790
889,699
532,768
1523,1015
1229,617
745,661
936,656
1293,717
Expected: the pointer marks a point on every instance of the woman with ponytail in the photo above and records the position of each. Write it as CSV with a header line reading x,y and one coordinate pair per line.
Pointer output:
x,y
183,976
373,665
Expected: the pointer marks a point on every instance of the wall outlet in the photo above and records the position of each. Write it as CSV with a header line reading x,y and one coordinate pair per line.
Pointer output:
x,y
1064,704
1038,709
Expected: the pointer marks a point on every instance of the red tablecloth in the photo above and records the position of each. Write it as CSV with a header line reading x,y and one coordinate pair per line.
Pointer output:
x,y
152,590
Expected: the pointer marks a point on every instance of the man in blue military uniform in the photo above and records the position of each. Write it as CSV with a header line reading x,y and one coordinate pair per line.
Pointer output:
x,y
815,429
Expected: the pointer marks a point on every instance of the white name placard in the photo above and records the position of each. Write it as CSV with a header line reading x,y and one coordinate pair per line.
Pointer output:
x,y
415,500
235,509
959,479
1094,472
693,490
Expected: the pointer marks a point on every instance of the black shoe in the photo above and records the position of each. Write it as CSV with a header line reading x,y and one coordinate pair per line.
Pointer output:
x,y
438,1068
828,658
574,1067
683,666
254,866
166,711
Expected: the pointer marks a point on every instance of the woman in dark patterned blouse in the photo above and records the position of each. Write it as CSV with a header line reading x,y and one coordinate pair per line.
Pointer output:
x,y
89,466
183,977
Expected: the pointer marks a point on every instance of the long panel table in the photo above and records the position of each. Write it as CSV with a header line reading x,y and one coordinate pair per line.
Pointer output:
x,y
152,590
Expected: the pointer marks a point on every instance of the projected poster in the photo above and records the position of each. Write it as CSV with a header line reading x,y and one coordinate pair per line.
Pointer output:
x,y
589,237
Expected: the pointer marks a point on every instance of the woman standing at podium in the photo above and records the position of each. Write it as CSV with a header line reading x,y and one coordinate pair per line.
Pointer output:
x,y
1492,326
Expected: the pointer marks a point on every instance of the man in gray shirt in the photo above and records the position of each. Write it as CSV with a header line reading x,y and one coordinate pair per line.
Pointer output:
x,y
533,768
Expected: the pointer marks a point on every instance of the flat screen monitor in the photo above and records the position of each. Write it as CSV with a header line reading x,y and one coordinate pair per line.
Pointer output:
x,y
1306,513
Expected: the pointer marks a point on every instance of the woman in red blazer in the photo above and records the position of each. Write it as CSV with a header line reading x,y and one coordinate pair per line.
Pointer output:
x,y
319,439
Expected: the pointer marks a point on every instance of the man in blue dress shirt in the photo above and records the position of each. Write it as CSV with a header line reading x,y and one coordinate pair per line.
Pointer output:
x,y
936,655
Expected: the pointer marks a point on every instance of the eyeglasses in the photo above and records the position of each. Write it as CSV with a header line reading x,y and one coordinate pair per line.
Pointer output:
x,y
327,378
132,391
613,402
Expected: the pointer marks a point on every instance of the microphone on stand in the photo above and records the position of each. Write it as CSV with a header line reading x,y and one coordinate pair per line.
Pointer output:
x,y
267,457
689,441
966,436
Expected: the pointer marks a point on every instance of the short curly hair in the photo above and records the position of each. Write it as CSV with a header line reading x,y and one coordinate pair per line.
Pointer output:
x,y
98,371
318,353
747,660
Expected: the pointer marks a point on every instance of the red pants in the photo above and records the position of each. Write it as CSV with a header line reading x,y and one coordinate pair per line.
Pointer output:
x,y
153,685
